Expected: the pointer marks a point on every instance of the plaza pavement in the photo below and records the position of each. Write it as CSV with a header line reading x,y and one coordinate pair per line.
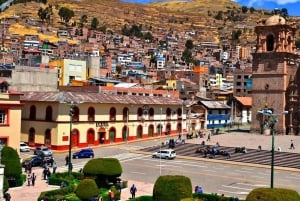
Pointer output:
x,y
232,139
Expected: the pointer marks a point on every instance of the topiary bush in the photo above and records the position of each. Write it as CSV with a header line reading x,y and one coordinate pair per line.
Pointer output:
x,y
275,194
13,170
172,188
87,189
105,171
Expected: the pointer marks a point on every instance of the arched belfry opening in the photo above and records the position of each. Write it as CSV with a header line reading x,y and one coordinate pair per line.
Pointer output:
x,y
270,42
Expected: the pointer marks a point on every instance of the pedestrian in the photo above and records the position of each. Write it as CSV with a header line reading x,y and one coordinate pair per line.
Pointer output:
x,y
7,197
208,137
48,175
200,189
29,168
133,190
54,167
45,173
33,178
67,160
28,179
111,195
292,145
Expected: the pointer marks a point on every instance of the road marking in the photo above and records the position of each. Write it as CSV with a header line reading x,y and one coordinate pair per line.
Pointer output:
x,y
255,185
138,173
235,187
234,192
243,171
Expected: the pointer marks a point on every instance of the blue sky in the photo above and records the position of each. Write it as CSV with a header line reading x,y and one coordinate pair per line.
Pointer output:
x,y
293,6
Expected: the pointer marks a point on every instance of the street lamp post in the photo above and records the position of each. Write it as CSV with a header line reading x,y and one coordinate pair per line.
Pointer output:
x,y
160,130
272,122
71,113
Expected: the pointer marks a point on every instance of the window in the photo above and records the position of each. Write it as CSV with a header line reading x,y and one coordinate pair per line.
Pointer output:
x,y
140,113
125,114
3,116
32,113
270,43
112,114
75,116
168,113
151,113
48,113
91,114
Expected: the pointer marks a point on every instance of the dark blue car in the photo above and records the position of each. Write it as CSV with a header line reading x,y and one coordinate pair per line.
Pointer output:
x,y
84,153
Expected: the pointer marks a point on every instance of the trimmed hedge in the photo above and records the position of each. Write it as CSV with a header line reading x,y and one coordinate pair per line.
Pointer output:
x,y
275,194
87,189
172,188
105,171
13,170
212,197
103,166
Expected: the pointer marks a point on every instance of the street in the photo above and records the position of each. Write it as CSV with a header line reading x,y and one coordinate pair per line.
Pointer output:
x,y
227,179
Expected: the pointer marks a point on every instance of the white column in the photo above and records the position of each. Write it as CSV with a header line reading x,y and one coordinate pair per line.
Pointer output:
x,y
1,181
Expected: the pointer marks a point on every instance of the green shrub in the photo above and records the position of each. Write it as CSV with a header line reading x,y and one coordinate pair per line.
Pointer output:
x,y
172,188
13,169
190,199
143,198
275,194
105,171
54,194
103,166
87,189
211,197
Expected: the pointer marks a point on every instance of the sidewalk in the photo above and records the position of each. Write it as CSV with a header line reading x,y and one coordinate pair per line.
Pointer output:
x,y
29,193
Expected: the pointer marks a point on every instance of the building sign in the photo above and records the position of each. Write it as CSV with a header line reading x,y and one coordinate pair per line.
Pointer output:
x,y
101,124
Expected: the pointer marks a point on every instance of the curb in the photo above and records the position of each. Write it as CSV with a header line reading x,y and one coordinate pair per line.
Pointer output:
x,y
225,162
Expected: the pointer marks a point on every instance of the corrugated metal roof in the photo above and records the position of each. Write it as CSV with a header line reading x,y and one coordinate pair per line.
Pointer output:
x,y
215,104
246,101
88,97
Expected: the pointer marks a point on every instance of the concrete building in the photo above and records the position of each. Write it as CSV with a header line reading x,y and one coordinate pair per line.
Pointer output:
x,y
276,75
97,118
10,116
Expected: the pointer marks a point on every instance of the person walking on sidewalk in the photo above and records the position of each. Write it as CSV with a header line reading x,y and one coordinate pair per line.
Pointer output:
x,y
54,166
133,190
292,145
28,179
33,178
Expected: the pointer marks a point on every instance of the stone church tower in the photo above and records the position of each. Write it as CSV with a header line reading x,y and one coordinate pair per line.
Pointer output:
x,y
276,75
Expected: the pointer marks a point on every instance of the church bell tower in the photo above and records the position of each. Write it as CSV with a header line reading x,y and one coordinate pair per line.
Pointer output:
x,y
275,75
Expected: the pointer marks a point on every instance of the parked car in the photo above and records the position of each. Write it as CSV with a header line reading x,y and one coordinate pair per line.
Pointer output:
x,y
36,161
24,147
165,153
84,153
42,151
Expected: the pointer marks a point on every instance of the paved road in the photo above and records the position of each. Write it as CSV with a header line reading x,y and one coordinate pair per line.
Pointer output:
x,y
135,167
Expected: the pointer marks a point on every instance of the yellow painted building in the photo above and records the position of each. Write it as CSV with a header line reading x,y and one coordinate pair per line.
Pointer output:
x,y
10,118
70,70
97,118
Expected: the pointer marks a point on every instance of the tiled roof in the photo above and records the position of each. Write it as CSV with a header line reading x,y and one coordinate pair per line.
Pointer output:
x,y
215,104
85,97
246,101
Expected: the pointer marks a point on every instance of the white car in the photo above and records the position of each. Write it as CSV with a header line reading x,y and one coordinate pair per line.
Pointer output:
x,y
24,147
165,153
42,151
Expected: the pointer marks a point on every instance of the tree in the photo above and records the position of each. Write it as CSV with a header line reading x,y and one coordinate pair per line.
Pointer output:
x,y
219,16
284,12
244,9
87,189
65,14
187,56
189,44
252,10
83,20
148,36
236,35
94,23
